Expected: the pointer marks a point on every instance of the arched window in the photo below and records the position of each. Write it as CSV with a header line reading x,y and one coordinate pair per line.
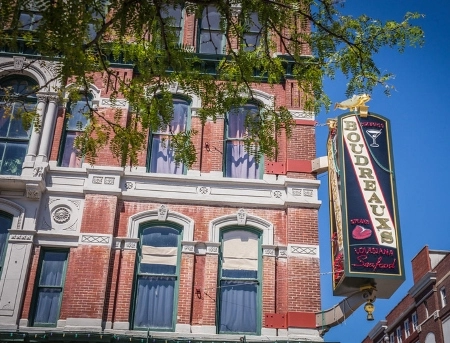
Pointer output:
x,y
74,124
17,98
240,280
238,161
5,225
161,156
156,277
211,36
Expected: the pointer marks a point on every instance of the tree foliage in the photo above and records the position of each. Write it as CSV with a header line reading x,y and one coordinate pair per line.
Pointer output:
x,y
92,36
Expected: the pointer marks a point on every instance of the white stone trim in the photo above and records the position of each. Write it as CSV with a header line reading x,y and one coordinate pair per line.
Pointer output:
x,y
305,115
23,236
154,215
269,250
188,247
252,221
282,251
303,250
212,248
96,239
17,211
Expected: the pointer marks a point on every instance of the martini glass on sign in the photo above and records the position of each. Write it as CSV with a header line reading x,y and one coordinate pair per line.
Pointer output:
x,y
374,133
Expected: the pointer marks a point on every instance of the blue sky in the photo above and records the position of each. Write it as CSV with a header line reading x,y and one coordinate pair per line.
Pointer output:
x,y
420,122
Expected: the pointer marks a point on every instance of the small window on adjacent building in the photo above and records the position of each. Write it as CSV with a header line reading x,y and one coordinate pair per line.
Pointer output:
x,y
239,162
157,278
161,155
211,37
17,97
399,334
414,321
5,225
392,338
406,326
75,123
49,287
443,297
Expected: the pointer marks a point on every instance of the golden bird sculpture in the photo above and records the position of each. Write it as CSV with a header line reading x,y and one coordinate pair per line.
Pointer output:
x,y
354,103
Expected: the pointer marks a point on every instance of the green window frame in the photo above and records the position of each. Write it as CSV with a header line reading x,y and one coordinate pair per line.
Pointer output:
x,y
49,287
211,37
75,123
5,224
238,162
156,279
160,158
17,97
240,274
173,16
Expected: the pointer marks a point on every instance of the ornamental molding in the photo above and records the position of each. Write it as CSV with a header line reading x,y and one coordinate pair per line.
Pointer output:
x,y
269,250
212,248
203,190
241,218
305,115
117,103
20,238
95,239
300,250
17,212
163,212
18,62
188,247
282,252
61,215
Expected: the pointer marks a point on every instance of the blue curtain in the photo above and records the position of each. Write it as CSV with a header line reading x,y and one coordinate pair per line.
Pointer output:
x,y
154,302
47,306
238,307
50,287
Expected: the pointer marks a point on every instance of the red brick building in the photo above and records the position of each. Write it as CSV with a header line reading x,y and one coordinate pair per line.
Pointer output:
x,y
100,252
423,315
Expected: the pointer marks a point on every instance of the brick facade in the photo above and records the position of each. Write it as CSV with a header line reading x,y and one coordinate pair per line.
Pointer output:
x,y
426,301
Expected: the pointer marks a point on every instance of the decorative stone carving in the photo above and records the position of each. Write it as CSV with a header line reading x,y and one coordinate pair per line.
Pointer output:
x,y
109,181
282,252
203,190
115,103
130,245
298,250
61,215
97,180
38,171
129,185
94,239
277,194
269,252
18,62
297,192
212,249
188,247
173,87
33,193
241,217
302,115
163,211
308,192
19,237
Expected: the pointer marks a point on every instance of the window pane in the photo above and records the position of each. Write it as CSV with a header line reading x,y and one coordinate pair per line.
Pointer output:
x,y
239,163
236,120
154,302
69,158
13,156
173,15
211,42
47,306
52,268
238,307
77,120
5,225
210,18
162,159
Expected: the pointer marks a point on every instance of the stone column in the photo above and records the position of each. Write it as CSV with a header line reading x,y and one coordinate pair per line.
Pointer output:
x,y
47,129
35,135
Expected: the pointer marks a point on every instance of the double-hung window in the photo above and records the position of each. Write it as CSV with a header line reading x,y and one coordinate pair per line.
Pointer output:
x,y
406,326
49,287
173,17
443,297
252,34
5,225
161,154
30,15
415,321
211,37
17,98
239,162
398,333
75,124
156,281
240,276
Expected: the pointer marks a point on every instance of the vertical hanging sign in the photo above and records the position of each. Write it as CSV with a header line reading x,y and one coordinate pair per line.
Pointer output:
x,y
364,216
